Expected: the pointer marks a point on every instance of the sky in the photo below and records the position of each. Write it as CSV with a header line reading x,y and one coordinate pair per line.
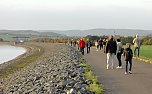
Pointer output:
x,y
75,14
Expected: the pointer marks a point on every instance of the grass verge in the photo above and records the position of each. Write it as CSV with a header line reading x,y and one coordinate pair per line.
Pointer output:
x,y
145,54
95,87
144,59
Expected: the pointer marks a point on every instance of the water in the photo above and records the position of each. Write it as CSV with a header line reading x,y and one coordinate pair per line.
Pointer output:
x,y
8,53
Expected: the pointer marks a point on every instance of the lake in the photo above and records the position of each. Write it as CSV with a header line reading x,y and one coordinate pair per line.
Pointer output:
x,y
8,53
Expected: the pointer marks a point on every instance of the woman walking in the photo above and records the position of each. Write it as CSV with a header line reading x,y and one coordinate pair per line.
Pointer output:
x,y
119,53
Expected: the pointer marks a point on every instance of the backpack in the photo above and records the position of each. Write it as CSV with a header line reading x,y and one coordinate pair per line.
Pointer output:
x,y
128,54
88,44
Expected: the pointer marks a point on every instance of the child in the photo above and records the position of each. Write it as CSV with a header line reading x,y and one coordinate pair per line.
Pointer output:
x,y
128,54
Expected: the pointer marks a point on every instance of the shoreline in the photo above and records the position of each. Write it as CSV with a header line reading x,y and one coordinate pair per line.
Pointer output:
x,y
53,68
9,67
25,47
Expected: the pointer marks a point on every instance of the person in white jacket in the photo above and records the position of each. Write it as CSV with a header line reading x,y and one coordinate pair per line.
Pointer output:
x,y
137,44
97,45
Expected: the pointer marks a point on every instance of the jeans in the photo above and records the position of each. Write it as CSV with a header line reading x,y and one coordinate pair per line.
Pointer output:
x,y
130,62
110,59
101,46
119,59
136,48
88,50
82,51
104,48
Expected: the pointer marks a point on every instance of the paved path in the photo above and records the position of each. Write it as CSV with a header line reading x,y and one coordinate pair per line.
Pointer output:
x,y
115,81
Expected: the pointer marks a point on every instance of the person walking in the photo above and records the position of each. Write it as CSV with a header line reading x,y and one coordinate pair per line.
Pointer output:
x,y
128,54
97,45
71,42
100,44
104,45
78,44
111,48
137,44
82,46
119,53
88,45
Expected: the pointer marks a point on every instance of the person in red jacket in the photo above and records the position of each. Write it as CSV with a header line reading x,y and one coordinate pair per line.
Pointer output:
x,y
82,46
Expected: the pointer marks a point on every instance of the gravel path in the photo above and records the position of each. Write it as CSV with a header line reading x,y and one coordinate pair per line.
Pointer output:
x,y
57,71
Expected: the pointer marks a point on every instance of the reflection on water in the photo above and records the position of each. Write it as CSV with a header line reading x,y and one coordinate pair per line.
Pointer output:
x,y
10,52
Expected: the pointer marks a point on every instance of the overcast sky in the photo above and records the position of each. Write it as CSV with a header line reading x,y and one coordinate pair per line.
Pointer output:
x,y
75,14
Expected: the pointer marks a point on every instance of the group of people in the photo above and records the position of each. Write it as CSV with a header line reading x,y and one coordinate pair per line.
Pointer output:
x,y
112,48
99,44
82,45
116,48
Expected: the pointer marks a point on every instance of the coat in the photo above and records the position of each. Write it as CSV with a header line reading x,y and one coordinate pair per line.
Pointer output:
x,y
82,44
111,47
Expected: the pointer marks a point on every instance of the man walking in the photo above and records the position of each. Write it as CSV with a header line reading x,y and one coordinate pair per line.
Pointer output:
x,y
111,48
100,44
82,46
88,44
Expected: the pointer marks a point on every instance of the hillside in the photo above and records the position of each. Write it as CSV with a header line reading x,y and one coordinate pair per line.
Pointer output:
x,y
65,33
30,33
8,35
101,31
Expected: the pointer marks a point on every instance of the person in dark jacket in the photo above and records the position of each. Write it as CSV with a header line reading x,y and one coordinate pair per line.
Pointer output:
x,y
100,44
128,54
82,46
111,48
88,45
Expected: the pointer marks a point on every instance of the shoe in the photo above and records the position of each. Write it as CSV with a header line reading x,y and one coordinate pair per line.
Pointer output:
x,y
126,73
117,67
130,72
120,67
107,67
112,67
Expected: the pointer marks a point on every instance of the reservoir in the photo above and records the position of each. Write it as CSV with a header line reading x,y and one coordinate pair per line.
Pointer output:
x,y
8,53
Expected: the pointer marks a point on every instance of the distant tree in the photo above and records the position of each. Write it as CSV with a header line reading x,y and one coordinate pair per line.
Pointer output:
x,y
147,40
92,38
128,39
1,39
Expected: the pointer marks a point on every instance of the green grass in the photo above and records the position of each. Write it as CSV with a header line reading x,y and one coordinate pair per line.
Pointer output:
x,y
146,51
6,37
95,87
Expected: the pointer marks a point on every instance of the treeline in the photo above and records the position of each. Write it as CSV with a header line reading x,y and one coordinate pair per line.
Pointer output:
x,y
51,40
147,40
129,39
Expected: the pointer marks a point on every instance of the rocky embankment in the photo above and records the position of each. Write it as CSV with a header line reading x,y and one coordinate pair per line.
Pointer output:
x,y
57,71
